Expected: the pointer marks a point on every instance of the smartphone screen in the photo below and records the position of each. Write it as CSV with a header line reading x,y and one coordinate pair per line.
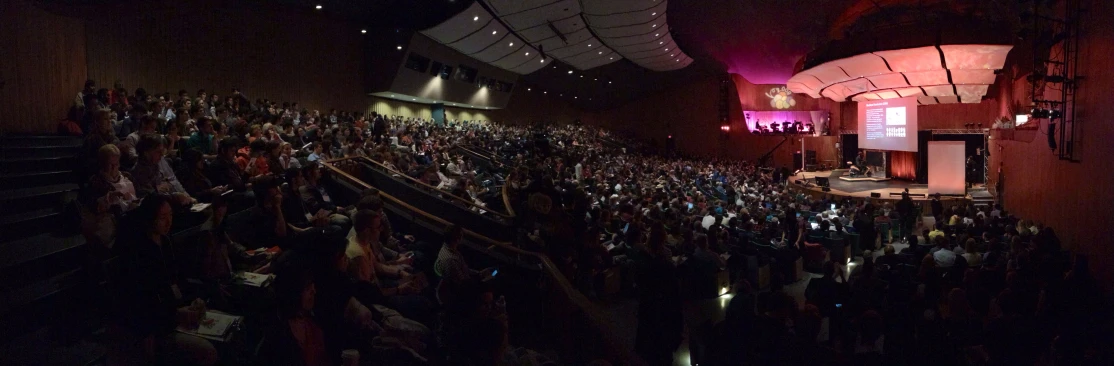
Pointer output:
x,y
495,272
833,207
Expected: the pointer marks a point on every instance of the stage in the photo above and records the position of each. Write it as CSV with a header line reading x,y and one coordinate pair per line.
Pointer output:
x,y
860,187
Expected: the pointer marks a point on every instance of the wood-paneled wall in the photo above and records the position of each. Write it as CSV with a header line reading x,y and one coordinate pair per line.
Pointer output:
x,y
391,107
266,53
1071,197
43,67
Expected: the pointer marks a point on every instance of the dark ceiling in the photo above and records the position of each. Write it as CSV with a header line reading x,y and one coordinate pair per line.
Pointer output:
x,y
762,40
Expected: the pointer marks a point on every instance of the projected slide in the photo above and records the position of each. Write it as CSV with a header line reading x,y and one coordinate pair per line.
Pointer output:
x,y
888,124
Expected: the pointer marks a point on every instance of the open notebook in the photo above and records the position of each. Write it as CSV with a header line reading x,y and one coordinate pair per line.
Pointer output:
x,y
214,326
256,279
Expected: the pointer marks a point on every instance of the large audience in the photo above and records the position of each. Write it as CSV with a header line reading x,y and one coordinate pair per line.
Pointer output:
x,y
977,286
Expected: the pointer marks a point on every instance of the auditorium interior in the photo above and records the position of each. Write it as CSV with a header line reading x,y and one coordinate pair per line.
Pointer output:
x,y
556,182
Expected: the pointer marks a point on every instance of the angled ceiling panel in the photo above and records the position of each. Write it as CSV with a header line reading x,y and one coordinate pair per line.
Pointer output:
x,y
933,77
470,20
863,65
912,59
887,81
637,30
977,76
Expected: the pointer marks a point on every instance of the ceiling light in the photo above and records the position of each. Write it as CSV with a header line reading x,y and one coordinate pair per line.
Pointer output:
x,y
575,97
662,42
589,45
399,47
527,54
318,7
611,58
671,55
364,31
601,52
545,92
570,71
609,82
412,99
510,44
581,76
542,60
654,26
392,95
528,89
493,32
596,79
667,49
657,34
475,18
654,13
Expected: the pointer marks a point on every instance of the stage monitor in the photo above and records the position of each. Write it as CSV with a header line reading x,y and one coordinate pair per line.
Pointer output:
x,y
888,124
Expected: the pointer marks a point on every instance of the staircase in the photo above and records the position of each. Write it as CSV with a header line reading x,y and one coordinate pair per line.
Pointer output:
x,y
42,267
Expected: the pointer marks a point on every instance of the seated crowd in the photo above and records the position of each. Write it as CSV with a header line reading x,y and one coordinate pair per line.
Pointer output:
x,y
186,194
984,287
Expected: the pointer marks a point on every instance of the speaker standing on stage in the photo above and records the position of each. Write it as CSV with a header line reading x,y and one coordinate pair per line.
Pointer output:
x,y
905,208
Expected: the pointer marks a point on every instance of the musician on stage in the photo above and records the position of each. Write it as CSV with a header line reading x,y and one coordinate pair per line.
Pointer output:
x,y
859,166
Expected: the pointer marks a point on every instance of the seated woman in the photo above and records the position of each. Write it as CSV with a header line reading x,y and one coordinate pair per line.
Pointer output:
x,y
150,299
296,336
108,195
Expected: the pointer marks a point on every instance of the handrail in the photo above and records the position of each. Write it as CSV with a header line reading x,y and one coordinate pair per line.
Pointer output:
x,y
412,180
576,298
488,155
507,201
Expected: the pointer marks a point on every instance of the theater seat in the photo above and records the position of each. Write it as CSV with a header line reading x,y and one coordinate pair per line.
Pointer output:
x,y
814,256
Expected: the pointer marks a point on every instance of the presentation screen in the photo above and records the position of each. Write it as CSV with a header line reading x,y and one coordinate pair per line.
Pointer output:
x,y
888,124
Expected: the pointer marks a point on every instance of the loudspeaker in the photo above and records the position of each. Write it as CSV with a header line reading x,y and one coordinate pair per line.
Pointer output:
x,y
875,195
1052,136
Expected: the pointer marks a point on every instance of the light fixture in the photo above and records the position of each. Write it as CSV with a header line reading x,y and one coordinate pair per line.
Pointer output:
x,y
575,97
662,42
392,95
657,34
399,47
493,32
542,60
475,18
570,71
601,52
667,49
654,13
545,92
318,7
510,44
596,79
609,82
364,31
611,58
527,54
581,76
654,26
671,54
589,45
528,89
413,99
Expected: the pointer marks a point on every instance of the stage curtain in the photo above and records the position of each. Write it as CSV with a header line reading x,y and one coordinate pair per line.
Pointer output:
x,y
903,165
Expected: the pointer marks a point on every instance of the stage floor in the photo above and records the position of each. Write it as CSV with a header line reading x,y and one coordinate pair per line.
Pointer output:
x,y
858,189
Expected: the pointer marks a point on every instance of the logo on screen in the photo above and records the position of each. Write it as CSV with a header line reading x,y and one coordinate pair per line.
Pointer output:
x,y
781,98
895,116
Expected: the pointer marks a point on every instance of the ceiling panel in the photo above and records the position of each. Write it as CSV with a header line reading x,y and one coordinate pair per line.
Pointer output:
x,y
934,77
977,76
938,90
863,65
637,30
496,51
926,100
975,56
912,59
887,81
948,99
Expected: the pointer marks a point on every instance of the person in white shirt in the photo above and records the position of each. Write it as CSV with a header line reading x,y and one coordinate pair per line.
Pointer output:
x,y
579,171
944,256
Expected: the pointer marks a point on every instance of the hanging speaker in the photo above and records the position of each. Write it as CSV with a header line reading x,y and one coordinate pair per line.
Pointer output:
x,y
1052,136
